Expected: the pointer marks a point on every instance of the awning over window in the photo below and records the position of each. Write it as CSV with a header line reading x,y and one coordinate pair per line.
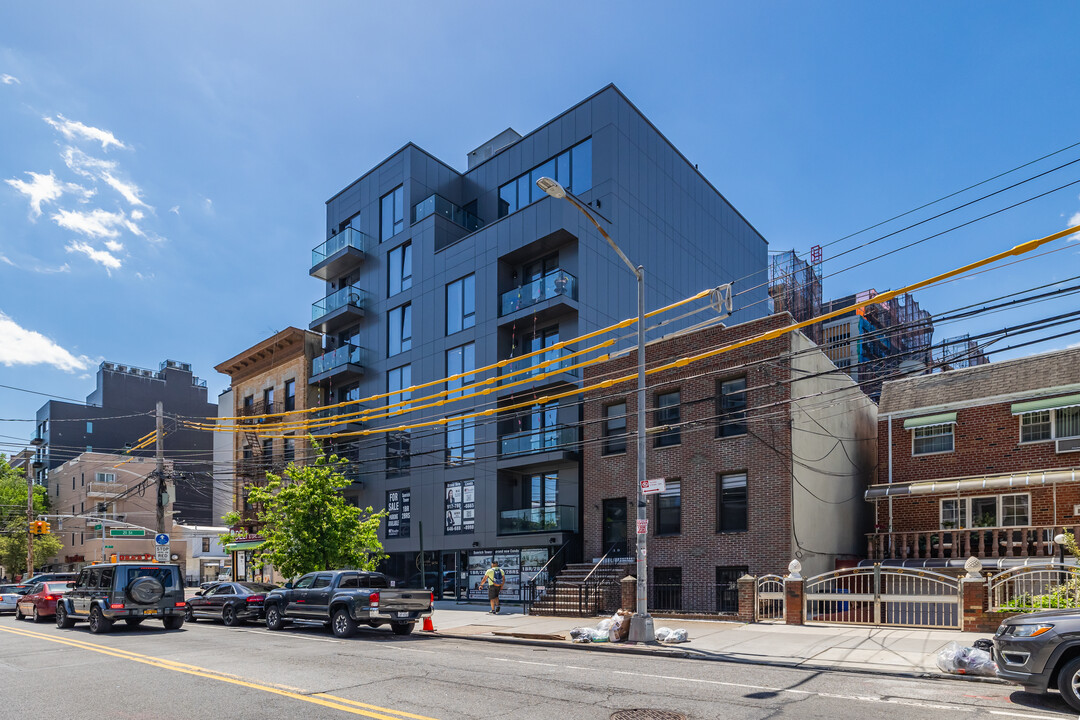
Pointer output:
x,y
949,486
927,420
249,545
1046,404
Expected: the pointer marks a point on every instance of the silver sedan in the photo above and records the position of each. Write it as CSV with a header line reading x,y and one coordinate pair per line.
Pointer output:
x,y
8,598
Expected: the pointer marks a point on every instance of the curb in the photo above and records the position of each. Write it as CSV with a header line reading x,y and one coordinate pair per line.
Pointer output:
x,y
694,655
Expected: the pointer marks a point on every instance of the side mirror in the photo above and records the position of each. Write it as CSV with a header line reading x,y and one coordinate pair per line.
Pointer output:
x,y
288,585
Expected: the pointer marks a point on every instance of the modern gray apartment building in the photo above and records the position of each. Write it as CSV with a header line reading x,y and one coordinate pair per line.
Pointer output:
x,y
432,272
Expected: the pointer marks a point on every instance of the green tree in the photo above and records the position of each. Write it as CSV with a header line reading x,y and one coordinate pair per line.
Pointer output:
x,y
307,523
14,522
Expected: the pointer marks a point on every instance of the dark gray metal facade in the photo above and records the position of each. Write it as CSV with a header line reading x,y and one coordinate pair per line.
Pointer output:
x,y
663,213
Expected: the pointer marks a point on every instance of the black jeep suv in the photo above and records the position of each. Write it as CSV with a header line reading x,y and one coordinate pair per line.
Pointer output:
x,y
132,592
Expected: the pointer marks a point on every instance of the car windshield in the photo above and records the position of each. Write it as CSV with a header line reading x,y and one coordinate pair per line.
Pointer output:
x,y
58,587
164,575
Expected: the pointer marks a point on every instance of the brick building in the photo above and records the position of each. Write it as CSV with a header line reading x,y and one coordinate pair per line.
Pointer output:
x,y
994,447
766,452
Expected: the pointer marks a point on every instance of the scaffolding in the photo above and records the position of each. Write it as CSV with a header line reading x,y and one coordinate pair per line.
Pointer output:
x,y
795,287
960,352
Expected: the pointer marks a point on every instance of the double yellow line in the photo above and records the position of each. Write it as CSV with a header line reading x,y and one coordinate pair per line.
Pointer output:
x,y
353,707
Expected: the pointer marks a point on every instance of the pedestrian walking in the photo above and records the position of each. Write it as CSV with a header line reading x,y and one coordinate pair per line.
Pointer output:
x,y
494,579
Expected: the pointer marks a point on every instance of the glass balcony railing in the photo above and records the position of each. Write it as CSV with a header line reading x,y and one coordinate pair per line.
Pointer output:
x,y
346,238
527,442
344,355
351,295
542,519
438,204
562,365
559,282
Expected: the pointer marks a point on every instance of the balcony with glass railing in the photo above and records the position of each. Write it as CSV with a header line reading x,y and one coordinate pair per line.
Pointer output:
x,y
549,439
563,363
438,205
343,303
556,518
557,284
339,254
347,358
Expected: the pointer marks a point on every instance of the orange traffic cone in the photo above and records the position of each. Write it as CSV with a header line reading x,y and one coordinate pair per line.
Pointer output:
x,y
428,625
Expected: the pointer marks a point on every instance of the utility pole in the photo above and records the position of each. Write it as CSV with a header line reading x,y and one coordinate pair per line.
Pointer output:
x,y
159,448
29,518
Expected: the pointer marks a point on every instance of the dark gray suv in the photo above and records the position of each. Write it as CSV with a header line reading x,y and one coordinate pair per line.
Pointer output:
x,y
132,592
1041,651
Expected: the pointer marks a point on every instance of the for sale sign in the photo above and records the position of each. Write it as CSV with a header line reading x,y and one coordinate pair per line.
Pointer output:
x,y
652,487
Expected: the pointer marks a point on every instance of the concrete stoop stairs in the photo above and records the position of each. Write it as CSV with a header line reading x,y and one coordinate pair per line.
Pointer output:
x,y
569,596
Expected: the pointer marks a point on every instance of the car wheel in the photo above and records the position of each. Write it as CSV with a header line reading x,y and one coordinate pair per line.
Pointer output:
x,y
228,616
133,622
343,625
274,621
62,620
19,613
37,615
173,622
98,622
402,628
189,614
1069,683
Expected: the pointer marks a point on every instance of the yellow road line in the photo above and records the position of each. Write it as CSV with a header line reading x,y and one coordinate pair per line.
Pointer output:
x,y
330,701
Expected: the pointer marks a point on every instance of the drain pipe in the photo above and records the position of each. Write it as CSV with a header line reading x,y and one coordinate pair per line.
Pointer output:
x,y
890,477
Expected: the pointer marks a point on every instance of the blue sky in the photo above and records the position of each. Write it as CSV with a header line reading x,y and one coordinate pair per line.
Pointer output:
x,y
163,166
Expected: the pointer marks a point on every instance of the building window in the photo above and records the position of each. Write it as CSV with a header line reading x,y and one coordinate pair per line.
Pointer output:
x,y
544,490
731,401
393,213
932,439
669,509
89,427
614,429
571,168
398,452
1067,422
268,400
400,329
727,588
461,359
268,449
731,511
1050,424
461,304
986,512
667,589
104,477
667,414
249,403
289,453
396,381
290,395
400,268
460,441
206,544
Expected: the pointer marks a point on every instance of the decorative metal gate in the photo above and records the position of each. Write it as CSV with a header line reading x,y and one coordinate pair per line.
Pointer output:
x,y
1029,588
769,598
900,597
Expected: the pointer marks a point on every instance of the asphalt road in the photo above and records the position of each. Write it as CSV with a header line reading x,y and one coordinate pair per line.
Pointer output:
x,y
209,671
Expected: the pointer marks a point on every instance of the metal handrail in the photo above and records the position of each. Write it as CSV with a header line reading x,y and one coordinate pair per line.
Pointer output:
x,y
599,562
529,594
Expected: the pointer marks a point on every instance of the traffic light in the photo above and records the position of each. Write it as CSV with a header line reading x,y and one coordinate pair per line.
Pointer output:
x,y
48,527
37,527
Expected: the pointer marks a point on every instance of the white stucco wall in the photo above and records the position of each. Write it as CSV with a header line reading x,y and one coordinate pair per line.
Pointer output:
x,y
223,460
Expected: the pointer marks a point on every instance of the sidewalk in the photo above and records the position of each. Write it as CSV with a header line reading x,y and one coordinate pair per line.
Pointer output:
x,y
890,651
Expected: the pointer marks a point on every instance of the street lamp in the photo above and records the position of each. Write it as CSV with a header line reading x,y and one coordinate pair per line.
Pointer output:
x,y
641,624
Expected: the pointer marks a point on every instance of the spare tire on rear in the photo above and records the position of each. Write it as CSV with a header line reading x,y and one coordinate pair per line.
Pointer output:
x,y
145,590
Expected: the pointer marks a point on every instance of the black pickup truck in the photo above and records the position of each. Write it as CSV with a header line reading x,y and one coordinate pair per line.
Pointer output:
x,y
346,599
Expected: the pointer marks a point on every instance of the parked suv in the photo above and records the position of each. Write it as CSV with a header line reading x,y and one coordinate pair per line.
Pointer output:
x,y
1041,651
131,592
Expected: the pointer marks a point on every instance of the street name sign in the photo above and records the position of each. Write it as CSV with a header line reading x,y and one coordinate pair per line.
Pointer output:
x,y
126,532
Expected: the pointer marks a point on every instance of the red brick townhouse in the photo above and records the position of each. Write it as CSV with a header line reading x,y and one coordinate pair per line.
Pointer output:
x,y
981,461
766,452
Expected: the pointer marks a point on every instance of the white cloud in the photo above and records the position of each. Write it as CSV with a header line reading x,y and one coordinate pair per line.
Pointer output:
x,y
7,261
175,209
84,164
114,246
75,130
65,268
1074,220
19,346
40,189
9,79
137,214
108,260
96,223
130,191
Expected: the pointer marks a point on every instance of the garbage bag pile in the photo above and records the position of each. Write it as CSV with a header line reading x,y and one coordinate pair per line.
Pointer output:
x,y
612,629
667,635
956,659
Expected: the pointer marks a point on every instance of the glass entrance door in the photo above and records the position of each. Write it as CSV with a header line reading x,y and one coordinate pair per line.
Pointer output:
x,y
614,527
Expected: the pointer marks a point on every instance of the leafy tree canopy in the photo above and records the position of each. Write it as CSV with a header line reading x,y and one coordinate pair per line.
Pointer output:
x,y
14,522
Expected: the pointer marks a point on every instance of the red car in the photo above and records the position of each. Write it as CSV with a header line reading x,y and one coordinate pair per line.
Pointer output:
x,y
40,601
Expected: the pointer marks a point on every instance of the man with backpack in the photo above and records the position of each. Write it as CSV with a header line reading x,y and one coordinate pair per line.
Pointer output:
x,y
494,579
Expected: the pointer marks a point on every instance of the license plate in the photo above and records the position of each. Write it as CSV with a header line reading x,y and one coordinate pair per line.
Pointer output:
x,y
404,614
149,612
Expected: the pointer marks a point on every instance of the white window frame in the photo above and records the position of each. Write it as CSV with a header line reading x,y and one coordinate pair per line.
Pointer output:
x,y
966,510
952,433
1020,428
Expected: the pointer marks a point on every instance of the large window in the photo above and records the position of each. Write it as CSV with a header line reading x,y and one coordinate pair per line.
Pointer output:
x,y
396,381
544,490
392,209
289,453
667,589
460,441
398,453
461,304
614,429
990,511
460,359
669,509
667,416
268,400
571,168
290,395
932,439
731,407
731,503
1050,424
400,268
400,330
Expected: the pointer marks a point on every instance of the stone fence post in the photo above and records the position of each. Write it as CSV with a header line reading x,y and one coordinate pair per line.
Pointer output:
x,y
747,598
629,593
793,594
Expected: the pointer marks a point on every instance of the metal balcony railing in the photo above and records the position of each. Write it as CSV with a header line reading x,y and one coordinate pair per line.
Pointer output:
x,y
551,285
543,519
558,437
346,296
344,355
344,239
438,204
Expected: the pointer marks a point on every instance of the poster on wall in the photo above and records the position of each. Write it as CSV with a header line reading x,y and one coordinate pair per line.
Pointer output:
x,y
398,513
510,562
460,506
532,560
479,562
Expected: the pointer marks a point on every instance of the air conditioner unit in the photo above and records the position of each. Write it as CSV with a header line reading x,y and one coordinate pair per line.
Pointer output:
x,y
1068,445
